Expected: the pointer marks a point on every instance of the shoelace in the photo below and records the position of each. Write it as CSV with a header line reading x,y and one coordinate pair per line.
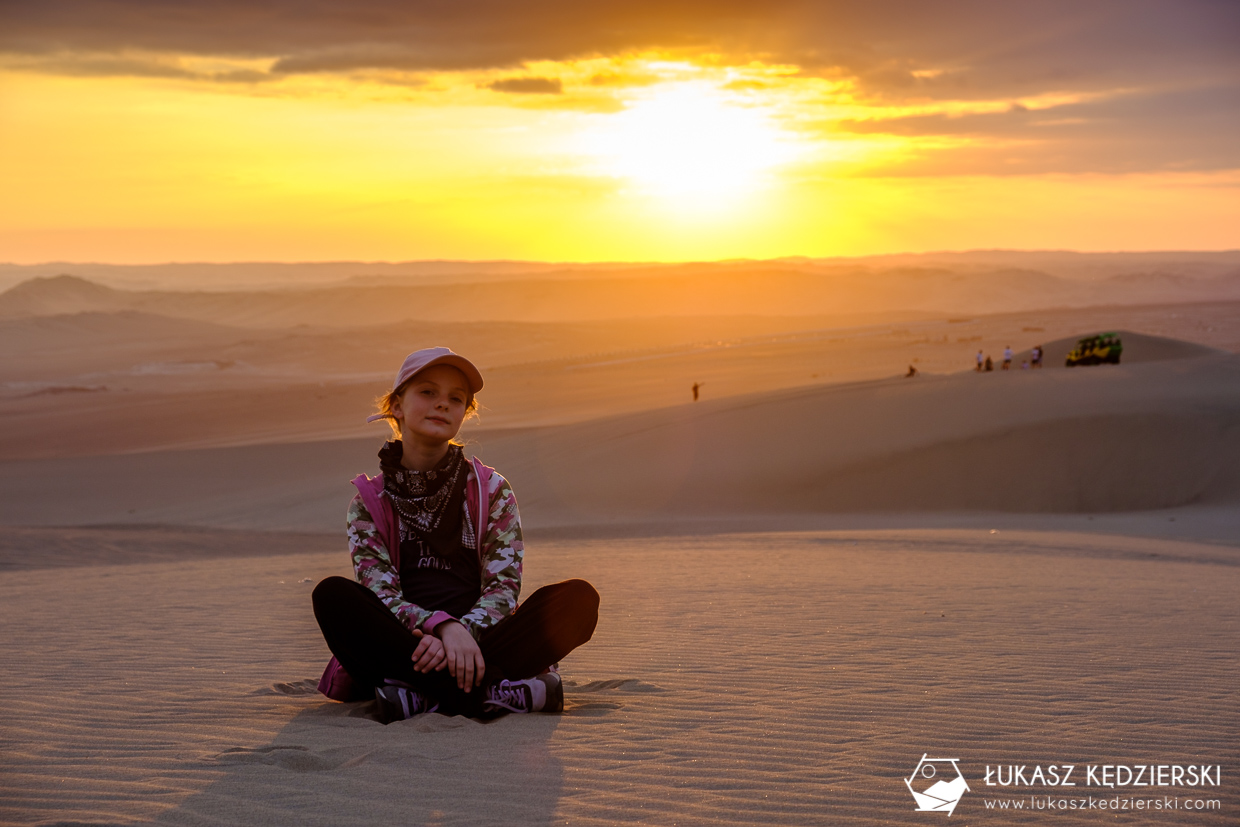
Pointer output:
x,y
413,703
513,697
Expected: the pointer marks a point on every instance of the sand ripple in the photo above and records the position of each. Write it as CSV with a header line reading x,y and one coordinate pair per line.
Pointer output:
x,y
774,679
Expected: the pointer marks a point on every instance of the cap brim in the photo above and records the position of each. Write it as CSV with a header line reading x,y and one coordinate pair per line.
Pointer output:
x,y
472,375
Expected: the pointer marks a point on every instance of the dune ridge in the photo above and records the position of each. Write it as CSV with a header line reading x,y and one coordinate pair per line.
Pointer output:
x,y
1138,347
1148,435
1185,265
761,288
164,384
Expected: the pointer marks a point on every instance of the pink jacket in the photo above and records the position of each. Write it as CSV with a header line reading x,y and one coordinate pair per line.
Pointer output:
x,y
336,682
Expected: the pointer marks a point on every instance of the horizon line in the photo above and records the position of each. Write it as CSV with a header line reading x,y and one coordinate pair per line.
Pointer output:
x,y
630,263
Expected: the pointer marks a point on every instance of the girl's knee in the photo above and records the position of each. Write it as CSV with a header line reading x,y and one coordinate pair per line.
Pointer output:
x,y
331,591
584,601
584,596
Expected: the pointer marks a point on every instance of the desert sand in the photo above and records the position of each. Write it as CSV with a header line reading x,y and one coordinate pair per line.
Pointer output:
x,y
789,678
811,577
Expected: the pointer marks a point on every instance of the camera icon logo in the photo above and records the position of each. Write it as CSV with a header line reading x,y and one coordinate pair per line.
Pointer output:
x,y
937,784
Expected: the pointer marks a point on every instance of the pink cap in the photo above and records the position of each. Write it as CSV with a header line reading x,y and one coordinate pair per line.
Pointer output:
x,y
420,360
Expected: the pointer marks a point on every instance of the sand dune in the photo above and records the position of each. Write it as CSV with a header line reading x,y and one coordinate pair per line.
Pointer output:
x,y
151,388
248,275
87,347
1110,438
1183,267
757,288
1116,438
120,345
1138,347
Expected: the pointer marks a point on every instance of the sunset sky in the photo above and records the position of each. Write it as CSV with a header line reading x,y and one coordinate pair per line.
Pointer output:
x,y
154,130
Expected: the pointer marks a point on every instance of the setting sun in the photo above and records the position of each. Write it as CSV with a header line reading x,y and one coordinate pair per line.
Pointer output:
x,y
690,142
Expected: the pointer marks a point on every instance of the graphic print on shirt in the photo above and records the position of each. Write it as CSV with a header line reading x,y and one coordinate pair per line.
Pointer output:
x,y
419,553
439,573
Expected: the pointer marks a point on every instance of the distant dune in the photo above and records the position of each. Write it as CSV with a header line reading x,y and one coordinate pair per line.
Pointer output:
x,y
1105,438
757,288
239,408
50,296
1184,265
1101,439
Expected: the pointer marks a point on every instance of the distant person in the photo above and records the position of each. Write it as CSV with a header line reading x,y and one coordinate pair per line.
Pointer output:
x,y
1036,353
980,360
989,365
912,371
1007,358
696,386
429,621
1024,364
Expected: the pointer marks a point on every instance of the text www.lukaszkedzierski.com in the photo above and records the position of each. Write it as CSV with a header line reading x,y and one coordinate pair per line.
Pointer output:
x,y
1089,802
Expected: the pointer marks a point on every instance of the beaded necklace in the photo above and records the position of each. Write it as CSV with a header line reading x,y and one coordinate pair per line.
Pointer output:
x,y
420,497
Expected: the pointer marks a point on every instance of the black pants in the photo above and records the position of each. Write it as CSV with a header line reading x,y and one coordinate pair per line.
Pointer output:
x,y
373,645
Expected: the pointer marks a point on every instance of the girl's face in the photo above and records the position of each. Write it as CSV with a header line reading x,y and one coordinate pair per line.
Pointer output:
x,y
432,406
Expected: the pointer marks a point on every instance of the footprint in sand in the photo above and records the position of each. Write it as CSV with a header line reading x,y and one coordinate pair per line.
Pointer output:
x,y
295,758
595,706
308,686
589,709
621,684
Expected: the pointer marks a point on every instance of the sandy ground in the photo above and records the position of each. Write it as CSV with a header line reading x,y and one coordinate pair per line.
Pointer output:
x,y
811,577
160,384
1108,439
785,678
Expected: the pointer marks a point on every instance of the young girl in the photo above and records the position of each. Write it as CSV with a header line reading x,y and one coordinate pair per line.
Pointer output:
x,y
431,623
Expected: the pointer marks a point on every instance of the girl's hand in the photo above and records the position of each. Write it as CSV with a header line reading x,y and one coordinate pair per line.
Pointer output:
x,y
464,658
429,656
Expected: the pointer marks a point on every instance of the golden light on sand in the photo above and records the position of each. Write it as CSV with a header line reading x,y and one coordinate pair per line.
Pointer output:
x,y
691,142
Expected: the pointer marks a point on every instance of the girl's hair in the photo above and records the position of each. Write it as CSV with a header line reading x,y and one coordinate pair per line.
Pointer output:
x,y
387,401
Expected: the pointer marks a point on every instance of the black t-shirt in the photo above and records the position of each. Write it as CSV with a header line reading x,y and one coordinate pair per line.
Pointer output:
x,y
437,571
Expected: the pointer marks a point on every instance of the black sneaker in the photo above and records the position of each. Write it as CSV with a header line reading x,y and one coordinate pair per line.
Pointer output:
x,y
398,701
555,691
542,693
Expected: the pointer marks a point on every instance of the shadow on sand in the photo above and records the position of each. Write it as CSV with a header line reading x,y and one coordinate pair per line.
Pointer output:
x,y
334,764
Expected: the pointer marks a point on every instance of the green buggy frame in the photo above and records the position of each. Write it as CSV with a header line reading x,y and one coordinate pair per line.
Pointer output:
x,y
1105,348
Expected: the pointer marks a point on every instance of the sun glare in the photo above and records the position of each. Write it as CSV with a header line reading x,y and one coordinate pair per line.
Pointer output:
x,y
690,142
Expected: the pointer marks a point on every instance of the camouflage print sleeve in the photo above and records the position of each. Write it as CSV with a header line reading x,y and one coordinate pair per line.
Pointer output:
x,y
502,554
372,566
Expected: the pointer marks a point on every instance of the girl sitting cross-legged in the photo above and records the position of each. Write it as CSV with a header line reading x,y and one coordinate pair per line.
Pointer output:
x,y
431,622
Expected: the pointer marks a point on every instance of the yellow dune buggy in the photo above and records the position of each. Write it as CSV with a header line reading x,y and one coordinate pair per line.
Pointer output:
x,y
1105,348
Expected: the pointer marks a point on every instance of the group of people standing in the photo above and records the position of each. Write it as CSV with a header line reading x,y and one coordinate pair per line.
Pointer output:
x,y
984,362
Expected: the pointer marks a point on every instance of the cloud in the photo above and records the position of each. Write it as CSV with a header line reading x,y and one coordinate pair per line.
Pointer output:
x,y
1186,129
528,86
626,79
122,65
1165,55
977,46
376,34
747,86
